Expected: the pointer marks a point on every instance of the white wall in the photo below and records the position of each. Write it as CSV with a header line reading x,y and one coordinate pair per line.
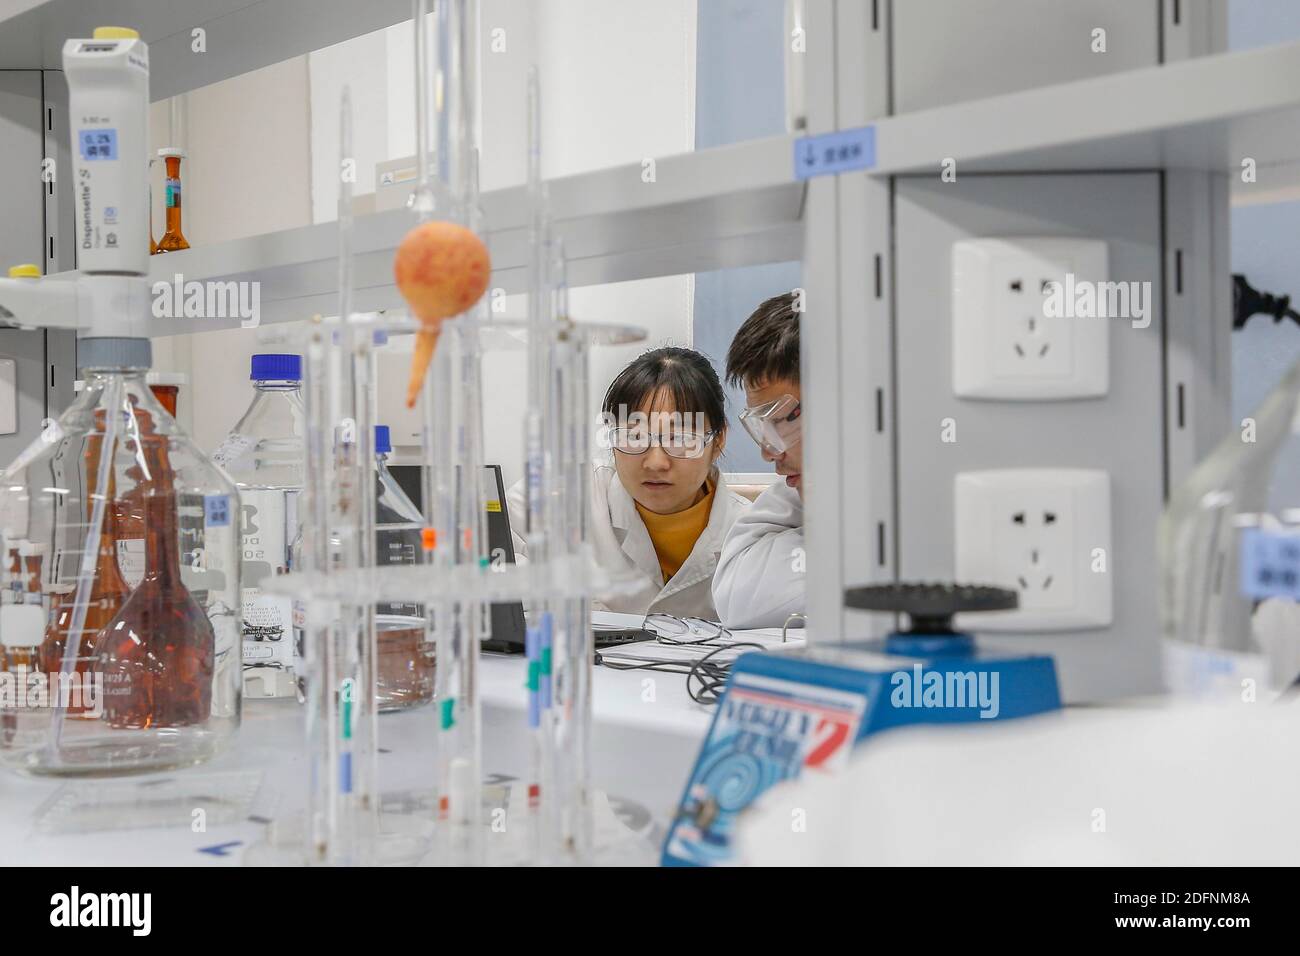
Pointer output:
x,y
618,86
360,64
247,172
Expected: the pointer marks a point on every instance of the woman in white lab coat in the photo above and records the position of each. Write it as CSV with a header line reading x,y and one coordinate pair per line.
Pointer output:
x,y
661,510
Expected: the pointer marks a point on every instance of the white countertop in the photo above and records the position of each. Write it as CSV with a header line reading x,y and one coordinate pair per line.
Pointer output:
x,y
646,732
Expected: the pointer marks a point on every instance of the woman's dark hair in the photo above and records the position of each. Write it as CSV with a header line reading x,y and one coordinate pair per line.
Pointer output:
x,y
685,374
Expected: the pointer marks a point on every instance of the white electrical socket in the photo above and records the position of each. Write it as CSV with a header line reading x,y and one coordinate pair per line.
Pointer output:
x,y
1042,532
1005,344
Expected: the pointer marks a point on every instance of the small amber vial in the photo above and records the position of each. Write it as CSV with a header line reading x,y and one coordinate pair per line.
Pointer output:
x,y
173,239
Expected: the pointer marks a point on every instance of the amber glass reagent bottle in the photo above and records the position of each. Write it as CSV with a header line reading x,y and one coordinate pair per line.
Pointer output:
x,y
158,654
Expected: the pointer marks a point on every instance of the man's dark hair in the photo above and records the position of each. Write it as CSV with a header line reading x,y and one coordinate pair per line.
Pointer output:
x,y
766,348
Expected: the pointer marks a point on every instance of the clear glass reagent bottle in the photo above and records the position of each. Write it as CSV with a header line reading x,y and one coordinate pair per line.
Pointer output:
x,y
264,455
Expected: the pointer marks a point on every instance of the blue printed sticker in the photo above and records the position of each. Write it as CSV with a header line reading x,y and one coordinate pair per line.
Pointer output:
x,y
1270,564
837,152
216,511
98,143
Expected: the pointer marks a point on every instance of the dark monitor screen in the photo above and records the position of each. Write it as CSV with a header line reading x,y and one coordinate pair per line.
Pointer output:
x,y
507,618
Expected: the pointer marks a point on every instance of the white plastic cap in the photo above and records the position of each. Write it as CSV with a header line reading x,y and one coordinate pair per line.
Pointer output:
x,y
31,548
171,151
22,625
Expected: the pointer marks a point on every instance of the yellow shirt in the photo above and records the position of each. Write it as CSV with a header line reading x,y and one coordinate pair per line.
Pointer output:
x,y
674,535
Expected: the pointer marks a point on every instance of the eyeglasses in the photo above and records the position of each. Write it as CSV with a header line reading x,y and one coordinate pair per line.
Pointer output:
x,y
637,441
775,425
684,630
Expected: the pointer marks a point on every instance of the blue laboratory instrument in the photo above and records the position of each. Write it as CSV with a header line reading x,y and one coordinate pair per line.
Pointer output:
x,y
784,714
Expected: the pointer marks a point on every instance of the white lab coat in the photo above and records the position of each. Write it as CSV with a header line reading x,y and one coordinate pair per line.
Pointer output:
x,y
760,576
621,544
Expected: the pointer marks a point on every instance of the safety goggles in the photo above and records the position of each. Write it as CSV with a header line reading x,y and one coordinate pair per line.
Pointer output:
x,y
669,629
637,441
774,425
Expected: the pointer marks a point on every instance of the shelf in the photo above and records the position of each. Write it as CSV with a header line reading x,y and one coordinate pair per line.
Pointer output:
x,y
739,205
713,209
242,35
494,335
1206,113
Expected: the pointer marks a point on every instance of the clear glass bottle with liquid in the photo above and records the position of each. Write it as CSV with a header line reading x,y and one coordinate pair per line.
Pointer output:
x,y
406,648
130,521
22,715
108,589
1230,557
178,684
264,455
12,570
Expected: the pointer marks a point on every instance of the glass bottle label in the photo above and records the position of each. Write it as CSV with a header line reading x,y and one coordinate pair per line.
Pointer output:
x,y
268,620
232,448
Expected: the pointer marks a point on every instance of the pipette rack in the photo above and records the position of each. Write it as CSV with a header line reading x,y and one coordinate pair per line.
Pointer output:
x,y
337,583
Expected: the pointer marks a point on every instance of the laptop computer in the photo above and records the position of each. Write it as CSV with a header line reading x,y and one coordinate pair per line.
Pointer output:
x,y
507,617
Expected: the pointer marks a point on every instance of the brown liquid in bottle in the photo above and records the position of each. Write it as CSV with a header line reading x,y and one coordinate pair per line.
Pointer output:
x,y
158,654
173,239
32,568
108,591
166,395
14,569
130,530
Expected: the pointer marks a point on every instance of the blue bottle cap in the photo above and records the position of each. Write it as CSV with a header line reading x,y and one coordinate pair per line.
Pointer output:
x,y
276,367
383,442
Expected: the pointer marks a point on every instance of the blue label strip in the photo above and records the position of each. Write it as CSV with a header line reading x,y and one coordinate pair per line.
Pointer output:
x,y
1270,564
838,152
216,510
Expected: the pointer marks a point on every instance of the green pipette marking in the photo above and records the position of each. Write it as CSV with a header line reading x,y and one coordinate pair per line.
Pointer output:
x,y
345,692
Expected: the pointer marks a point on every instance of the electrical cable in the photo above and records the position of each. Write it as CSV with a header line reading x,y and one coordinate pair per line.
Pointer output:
x,y
711,675
1248,302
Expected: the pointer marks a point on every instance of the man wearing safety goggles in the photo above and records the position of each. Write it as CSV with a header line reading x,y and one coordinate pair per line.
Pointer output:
x,y
759,581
